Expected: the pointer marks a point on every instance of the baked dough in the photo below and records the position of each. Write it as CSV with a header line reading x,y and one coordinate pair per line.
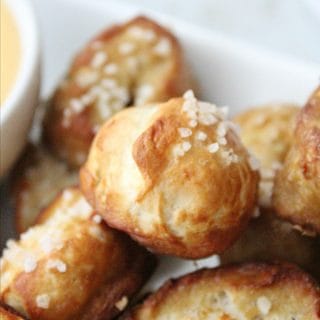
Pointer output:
x,y
254,291
130,64
174,176
71,265
7,313
297,185
267,131
269,238
36,180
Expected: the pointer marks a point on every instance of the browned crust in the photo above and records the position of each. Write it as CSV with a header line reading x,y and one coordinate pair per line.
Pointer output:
x,y
8,313
217,241
134,269
151,151
297,199
102,306
252,276
65,141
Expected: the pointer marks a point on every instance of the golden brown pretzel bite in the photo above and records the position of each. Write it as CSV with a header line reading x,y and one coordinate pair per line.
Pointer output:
x,y
267,131
297,186
130,64
269,238
174,176
7,313
71,265
253,291
37,179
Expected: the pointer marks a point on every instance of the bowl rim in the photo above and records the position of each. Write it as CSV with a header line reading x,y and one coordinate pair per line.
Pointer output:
x,y
24,16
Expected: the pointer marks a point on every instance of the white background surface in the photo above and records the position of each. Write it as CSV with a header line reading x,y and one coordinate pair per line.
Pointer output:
x,y
288,26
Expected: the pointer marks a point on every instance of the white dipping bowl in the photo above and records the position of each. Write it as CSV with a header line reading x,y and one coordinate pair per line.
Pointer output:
x,y
16,113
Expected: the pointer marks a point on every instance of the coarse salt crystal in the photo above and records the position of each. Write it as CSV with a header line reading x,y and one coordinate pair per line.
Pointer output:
x,y
264,305
56,264
136,31
265,193
126,48
99,59
111,69
188,95
178,151
76,105
193,123
202,136
229,156
207,119
186,146
86,78
122,303
223,111
86,99
206,107
192,114
221,129
122,93
97,218
81,208
213,147
163,47
254,163
29,264
42,301
149,35
189,105
185,132
96,232
67,195
10,243
50,242
222,141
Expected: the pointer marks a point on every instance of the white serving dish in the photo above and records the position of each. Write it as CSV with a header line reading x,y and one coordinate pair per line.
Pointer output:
x,y
17,110
229,72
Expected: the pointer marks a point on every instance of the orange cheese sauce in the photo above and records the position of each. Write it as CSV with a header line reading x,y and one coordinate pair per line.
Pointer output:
x,y
10,54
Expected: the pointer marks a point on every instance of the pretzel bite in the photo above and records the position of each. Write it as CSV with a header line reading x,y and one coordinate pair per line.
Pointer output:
x,y
130,64
268,238
297,185
267,132
7,313
174,176
255,291
71,265
37,179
